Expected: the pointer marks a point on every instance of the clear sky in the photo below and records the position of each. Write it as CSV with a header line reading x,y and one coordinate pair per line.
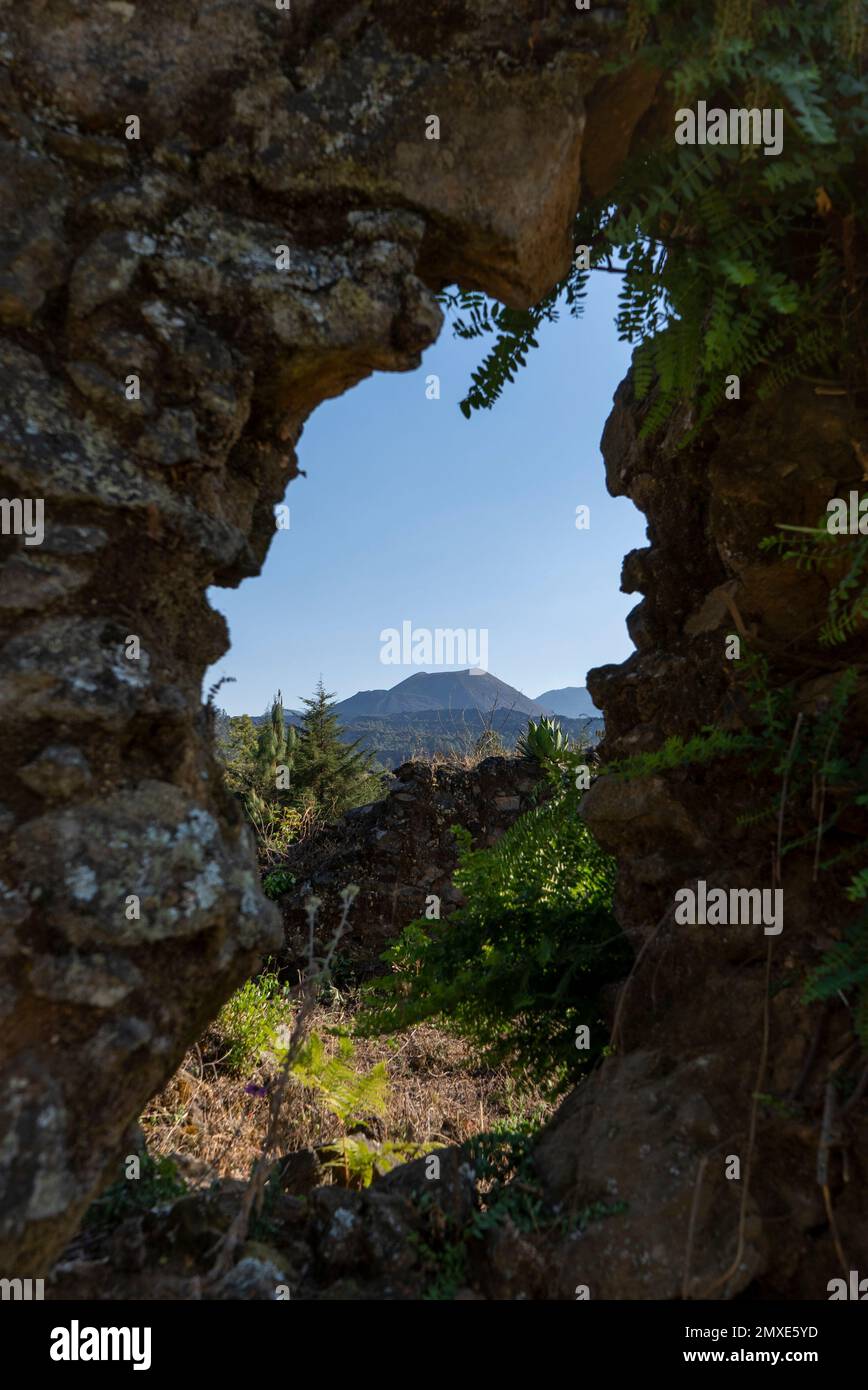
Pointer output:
x,y
411,512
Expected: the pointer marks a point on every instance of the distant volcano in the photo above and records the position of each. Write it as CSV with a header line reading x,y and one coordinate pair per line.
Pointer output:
x,y
447,712
449,690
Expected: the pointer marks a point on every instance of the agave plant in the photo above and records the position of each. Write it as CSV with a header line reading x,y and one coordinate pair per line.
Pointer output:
x,y
544,741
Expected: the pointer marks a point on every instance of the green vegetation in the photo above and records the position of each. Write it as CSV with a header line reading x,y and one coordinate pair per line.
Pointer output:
x,y
544,741
348,1094
248,1022
520,965
330,775
844,967
238,753
289,778
278,882
158,1182
732,262
352,1097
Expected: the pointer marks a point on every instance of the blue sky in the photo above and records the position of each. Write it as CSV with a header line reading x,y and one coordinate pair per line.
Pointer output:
x,y
409,511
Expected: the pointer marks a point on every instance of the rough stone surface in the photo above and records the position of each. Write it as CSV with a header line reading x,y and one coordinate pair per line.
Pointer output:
x,y
156,369
655,1123
401,851
381,1243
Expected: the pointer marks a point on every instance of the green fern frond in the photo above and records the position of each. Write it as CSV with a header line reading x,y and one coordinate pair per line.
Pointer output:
x,y
348,1094
843,967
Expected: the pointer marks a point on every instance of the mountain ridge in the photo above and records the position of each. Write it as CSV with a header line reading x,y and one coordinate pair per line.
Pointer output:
x,y
443,712
426,691
570,701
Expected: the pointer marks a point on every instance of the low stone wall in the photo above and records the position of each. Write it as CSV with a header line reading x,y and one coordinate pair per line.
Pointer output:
x,y
401,851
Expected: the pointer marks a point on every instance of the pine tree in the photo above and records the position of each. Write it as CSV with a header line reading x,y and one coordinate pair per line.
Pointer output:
x,y
330,774
237,749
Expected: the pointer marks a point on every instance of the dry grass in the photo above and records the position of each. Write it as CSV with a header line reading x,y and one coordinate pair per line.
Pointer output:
x,y
463,757
438,1094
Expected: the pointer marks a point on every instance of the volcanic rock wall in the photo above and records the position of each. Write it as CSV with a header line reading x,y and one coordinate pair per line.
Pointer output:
x,y
704,1070
214,216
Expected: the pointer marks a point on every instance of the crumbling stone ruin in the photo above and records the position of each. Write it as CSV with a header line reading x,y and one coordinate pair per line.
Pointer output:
x,y
401,853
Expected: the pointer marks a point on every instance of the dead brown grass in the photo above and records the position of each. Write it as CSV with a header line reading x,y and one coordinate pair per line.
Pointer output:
x,y
438,1094
460,759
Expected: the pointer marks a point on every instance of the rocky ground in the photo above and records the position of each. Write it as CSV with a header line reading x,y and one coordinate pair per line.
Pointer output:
x,y
411,1232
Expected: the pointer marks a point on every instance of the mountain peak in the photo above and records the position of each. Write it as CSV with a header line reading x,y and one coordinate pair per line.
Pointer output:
x,y
473,688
